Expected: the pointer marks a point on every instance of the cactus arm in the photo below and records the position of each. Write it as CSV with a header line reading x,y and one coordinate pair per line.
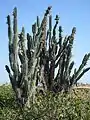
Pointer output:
x,y
50,30
81,74
60,37
34,33
29,50
52,64
12,80
83,64
15,44
71,67
38,23
78,72
11,56
61,50
9,30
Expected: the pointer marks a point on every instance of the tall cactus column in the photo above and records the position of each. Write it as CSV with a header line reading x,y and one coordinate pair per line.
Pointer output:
x,y
18,77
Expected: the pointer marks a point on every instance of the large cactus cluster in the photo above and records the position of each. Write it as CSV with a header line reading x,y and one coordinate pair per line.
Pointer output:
x,y
34,59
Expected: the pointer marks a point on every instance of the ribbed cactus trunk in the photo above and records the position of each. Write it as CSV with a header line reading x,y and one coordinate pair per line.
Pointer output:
x,y
34,64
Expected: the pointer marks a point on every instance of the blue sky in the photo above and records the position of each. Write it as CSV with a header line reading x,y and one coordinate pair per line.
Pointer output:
x,y
72,13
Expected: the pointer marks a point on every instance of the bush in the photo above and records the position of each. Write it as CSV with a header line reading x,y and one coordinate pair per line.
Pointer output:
x,y
72,106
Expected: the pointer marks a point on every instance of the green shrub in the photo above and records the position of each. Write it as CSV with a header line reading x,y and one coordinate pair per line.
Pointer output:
x,y
72,106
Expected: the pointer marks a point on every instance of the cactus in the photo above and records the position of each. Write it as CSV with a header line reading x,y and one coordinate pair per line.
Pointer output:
x,y
34,64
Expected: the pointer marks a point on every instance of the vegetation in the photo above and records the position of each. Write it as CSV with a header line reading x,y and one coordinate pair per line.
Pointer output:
x,y
73,106
40,93
35,64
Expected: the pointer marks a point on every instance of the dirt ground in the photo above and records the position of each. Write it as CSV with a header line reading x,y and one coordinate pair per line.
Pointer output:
x,y
85,86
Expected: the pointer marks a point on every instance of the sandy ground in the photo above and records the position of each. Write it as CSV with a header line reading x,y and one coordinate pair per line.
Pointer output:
x,y
87,87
